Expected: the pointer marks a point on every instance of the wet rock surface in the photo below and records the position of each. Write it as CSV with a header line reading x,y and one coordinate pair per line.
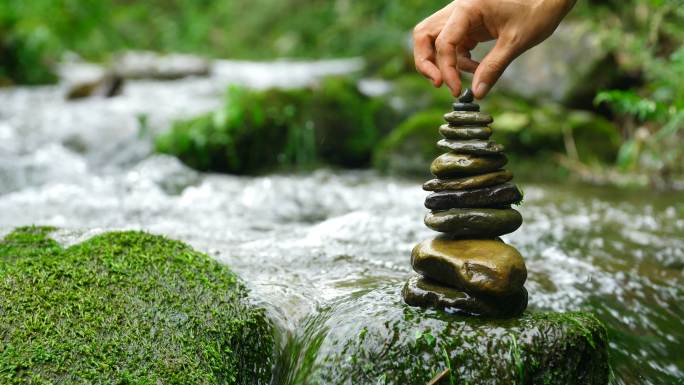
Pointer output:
x,y
474,222
465,133
470,182
476,266
495,196
453,165
421,291
465,118
477,147
346,344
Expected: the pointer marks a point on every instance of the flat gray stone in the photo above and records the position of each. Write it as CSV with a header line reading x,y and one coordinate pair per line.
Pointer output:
x,y
475,147
493,196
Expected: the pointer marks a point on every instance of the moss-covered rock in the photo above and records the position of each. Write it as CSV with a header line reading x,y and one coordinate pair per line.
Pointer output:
x,y
412,146
331,122
376,339
125,308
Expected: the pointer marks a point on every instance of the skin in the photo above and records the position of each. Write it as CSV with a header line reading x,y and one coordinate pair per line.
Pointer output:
x,y
443,41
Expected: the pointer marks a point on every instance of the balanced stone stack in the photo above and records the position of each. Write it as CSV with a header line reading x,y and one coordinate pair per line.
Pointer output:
x,y
469,269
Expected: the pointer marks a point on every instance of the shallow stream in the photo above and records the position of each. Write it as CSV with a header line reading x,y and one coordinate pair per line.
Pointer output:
x,y
302,242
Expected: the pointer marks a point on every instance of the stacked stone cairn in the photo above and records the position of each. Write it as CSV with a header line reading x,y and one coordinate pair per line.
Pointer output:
x,y
468,269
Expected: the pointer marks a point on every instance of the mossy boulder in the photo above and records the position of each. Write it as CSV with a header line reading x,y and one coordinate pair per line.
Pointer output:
x,y
412,146
375,338
125,308
256,130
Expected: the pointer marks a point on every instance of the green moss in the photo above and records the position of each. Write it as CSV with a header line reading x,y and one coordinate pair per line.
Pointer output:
x,y
331,123
125,308
408,345
411,147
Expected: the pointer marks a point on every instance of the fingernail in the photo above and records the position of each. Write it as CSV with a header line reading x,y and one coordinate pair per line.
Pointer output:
x,y
482,90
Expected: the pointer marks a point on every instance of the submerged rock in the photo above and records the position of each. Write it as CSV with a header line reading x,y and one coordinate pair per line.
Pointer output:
x,y
477,266
469,182
455,165
421,291
493,196
375,338
475,222
465,133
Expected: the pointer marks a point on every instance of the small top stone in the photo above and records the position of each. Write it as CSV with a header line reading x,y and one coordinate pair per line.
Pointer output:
x,y
466,96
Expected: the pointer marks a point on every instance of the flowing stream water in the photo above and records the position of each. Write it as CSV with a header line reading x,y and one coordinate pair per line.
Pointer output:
x,y
303,241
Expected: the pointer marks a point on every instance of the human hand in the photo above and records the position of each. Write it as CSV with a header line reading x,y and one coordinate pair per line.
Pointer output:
x,y
442,42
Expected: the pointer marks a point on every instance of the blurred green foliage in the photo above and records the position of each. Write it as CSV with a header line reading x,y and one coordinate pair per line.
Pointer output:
x,y
331,122
646,37
642,39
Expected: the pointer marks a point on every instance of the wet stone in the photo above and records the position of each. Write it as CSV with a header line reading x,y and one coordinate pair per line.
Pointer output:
x,y
493,196
457,165
476,222
475,147
469,182
467,96
465,133
476,266
466,107
423,292
467,118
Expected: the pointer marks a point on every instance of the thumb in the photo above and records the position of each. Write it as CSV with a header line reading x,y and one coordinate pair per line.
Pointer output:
x,y
492,66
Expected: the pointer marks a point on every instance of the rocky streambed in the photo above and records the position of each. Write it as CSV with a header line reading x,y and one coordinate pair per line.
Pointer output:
x,y
326,253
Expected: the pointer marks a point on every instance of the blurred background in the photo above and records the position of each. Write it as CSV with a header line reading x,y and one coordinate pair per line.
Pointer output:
x,y
285,137
601,101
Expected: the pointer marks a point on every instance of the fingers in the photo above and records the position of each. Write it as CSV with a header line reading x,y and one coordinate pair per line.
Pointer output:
x,y
492,66
424,56
447,45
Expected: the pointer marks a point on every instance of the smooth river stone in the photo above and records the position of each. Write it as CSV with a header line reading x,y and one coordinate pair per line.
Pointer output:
x,y
467,118
469,182
458,165
477,266
493,196
466,106
461,133
478,223
476,147
423,292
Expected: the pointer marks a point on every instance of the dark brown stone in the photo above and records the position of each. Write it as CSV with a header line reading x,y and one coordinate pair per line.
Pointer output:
x,y
458,165
475,147
421,291
469,182
465,133
478,222
493,196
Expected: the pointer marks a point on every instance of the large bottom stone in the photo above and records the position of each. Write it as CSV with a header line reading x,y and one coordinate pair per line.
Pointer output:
x,y
474,223
375,338
423,292
477,266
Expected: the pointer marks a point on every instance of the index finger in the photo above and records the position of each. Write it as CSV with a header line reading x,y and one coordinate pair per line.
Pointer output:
x,y
424,57
447,43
